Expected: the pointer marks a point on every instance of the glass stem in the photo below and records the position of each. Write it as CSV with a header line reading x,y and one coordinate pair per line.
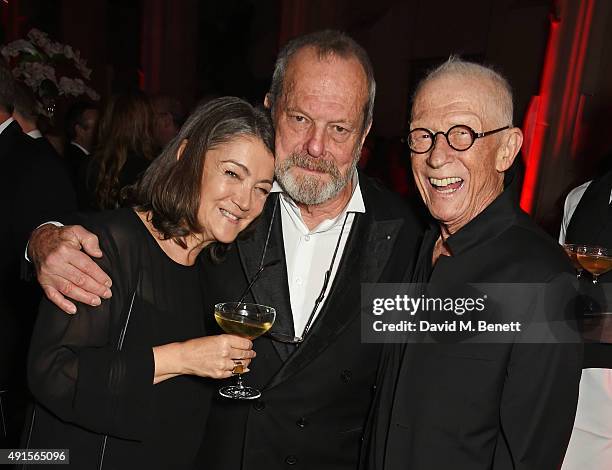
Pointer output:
x,y
239,381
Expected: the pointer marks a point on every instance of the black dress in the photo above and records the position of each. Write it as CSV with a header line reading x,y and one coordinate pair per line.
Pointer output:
x,y
86,388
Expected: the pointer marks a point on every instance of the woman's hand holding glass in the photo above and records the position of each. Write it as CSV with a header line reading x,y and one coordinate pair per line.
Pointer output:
x,y
210,356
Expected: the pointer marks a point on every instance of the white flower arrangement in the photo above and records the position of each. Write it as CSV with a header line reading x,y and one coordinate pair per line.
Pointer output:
x,y
49,68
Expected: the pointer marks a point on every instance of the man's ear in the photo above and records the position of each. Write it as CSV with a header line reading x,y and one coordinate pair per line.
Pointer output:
x,y
267,101
365,133
181,149
508,149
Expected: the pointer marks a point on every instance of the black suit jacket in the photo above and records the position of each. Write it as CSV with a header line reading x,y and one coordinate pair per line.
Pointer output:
x,y
74,157
496,405
315,398
34,188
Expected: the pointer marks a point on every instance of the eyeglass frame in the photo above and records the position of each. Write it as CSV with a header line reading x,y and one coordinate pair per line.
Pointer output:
x,y
434,136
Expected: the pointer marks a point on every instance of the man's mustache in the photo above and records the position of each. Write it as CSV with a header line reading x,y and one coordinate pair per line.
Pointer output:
x,y
307,162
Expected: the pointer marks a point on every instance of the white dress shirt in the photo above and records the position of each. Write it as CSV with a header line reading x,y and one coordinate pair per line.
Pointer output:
x,y
309,252
83,149
35,134
590,446
571,202
5,124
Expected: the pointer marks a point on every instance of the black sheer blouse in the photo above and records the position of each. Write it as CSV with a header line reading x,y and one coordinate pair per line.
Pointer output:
x,y
87,388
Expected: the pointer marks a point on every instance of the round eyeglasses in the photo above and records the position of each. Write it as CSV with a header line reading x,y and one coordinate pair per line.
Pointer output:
x,y
460,138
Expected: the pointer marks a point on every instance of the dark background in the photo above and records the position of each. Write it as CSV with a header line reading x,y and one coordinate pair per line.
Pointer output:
x,y
199,49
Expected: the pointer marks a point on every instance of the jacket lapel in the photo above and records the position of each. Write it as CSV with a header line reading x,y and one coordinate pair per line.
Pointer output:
x,y
366,253
272,287
8,138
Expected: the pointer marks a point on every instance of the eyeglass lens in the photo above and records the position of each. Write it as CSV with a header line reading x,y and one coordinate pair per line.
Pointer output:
x,y
458,138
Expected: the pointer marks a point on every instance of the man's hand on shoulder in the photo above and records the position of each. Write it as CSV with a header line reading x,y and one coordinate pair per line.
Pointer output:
x,y
64,268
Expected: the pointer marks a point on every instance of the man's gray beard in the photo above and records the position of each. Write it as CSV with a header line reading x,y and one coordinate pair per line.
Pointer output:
x,y
312,189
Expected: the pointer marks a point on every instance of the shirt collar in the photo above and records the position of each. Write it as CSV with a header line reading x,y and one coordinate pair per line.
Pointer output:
x,y
83,149
35,134
5,124
490,223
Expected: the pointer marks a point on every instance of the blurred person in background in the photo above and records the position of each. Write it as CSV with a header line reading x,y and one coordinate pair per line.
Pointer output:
x,y
80,124
125,148
587,220
169,117
26,113
34,187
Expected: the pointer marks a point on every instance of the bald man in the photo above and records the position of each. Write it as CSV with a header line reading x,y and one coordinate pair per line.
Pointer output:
x,y
478,400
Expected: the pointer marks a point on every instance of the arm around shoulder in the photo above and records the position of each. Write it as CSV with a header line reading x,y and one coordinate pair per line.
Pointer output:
x,y
75,369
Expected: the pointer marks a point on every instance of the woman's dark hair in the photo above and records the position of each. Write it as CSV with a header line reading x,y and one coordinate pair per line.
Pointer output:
x,y
170,188
125,126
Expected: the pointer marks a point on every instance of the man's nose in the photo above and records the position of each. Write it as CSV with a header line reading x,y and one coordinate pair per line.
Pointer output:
x,y
441,153
316,142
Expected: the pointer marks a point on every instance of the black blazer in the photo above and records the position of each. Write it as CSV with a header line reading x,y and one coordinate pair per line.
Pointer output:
x,y
471,406
74,157
314,398
34,188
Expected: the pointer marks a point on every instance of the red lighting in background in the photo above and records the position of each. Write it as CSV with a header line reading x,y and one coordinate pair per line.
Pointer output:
x,y
579,132
576,64
12,21
577,102
537,119
141,80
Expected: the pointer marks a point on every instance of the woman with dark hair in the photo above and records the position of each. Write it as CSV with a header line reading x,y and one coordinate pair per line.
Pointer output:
x,y
125,148
121,385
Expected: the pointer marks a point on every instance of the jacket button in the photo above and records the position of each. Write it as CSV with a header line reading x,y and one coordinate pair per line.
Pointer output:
x,y
291,460
301,423
346,376
259,405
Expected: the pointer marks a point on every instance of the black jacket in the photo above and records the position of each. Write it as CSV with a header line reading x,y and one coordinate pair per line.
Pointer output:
x,y
470,406
34,188
74,158
314,398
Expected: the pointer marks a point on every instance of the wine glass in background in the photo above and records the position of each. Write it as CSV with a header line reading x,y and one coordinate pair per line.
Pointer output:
x,y
595,259
572,251
248,321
